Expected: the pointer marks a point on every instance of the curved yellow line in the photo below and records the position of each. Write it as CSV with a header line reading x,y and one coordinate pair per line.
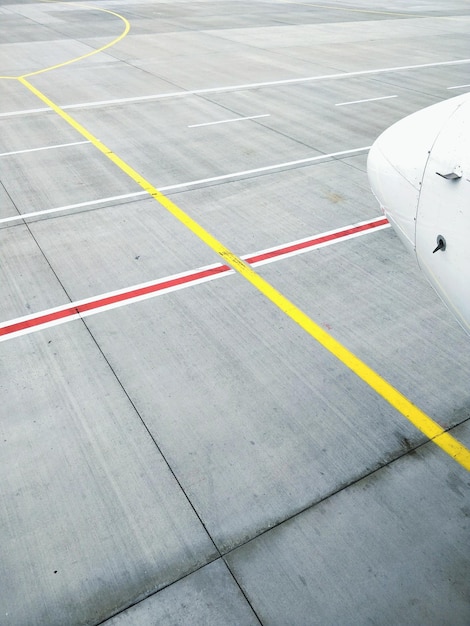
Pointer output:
x,y
127,27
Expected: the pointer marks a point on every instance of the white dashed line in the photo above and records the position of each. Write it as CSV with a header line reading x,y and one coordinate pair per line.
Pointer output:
x,y
233,119
60,145
342,104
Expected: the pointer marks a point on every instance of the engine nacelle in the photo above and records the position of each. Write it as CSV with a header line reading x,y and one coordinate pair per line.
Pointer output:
x,y
419,170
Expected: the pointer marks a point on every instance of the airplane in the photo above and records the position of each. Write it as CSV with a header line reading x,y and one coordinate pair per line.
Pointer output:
x,y
419,171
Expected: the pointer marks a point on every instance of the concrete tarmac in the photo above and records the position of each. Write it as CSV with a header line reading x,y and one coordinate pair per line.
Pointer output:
x,y
176,449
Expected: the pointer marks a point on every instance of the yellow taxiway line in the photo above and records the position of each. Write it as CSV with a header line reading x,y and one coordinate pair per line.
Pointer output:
x,y
418,418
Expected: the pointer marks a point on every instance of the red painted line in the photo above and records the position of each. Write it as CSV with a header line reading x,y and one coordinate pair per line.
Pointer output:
x,y
76,309
142,291
40,320
316,241
106,301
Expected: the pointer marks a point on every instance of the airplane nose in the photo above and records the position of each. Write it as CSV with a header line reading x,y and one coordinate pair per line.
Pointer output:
x,y
396,165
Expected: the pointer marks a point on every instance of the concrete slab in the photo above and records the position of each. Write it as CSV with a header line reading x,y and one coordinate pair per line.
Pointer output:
x,y
40,14
260,211
219,14
209,597
235,395
344,33
101,81
177,45
14,97
23,134
6,205
92,516
400,53
205,71
18,29
158,154
433,80
146,243
18,55
43,180
26,276
328,563
296,107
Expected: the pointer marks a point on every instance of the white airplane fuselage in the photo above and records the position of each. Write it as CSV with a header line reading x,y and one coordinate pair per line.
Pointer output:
x,y
419,170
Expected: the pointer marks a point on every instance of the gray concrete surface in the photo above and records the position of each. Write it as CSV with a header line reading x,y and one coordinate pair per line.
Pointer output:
x,y
209,596
384,548
196,457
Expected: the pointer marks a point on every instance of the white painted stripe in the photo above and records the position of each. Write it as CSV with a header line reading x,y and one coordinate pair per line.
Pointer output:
x,y
267,168
103,309
288,81
324,244
193,183
233,119
60,145
28,331
177,287
342,104
24,112
70,207
330,242
459,87
117,292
